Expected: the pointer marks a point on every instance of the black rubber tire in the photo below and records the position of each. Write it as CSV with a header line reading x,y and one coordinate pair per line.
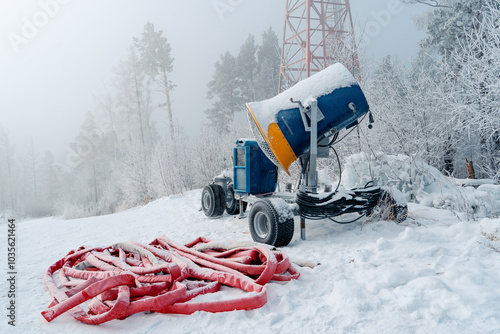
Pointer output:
x,y
232,204
213,200
265,225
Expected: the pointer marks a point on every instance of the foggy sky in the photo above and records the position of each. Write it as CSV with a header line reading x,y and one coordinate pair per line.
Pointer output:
x,y
47,86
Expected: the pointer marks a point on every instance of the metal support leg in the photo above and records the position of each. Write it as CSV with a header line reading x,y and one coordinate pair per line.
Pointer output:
x,y
302,228
241,215
312,177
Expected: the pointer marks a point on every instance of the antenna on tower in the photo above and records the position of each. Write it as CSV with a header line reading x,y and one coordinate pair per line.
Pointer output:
x,y
317,34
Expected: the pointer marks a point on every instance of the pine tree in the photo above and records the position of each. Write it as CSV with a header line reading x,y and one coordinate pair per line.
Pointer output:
x,y
247,68
269,58
224,88
155,54
134,102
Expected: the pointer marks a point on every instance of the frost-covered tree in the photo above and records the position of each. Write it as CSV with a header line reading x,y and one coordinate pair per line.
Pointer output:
x,y
464,35
112,153
172,164
134,100
7,194
252,75
50,179
449,25
155,55
409,118
135,105
268,58
475,90
224,90
85,149
385,93
431,3
31,168
34,202
247,69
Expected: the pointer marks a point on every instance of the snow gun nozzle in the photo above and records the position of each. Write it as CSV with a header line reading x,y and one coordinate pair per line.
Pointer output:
x,y
283,122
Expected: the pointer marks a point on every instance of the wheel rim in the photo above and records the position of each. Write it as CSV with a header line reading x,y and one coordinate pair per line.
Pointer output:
x,y
262,225
207,201
229,199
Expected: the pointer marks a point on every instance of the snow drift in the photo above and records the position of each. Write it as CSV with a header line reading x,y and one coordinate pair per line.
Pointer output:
x,y
421,183
438,272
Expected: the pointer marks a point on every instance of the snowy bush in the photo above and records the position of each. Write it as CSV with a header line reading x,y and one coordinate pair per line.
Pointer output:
x,y
420,183
409,175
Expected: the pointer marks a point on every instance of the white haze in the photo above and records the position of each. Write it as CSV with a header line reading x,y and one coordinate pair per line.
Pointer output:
x,y
50,83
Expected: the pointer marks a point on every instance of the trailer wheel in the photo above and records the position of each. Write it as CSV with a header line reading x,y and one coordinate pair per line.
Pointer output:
x,y
213,200
232,204
267,227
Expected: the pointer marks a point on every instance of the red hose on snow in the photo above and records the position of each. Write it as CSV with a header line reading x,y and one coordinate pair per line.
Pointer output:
x,y
129,278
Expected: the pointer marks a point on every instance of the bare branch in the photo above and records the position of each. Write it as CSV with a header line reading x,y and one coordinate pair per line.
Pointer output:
x,y
431,3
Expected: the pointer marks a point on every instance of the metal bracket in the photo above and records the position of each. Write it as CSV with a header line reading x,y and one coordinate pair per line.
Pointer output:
x,y
306,111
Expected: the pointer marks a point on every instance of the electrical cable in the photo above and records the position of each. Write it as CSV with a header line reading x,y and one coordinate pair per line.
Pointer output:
x,y
354,127
334,138
340,168
347,222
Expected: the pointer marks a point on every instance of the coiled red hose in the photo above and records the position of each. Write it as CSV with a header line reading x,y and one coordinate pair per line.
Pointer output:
x,y
129,278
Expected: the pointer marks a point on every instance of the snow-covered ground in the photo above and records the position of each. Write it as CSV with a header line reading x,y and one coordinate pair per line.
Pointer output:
x,y
435,273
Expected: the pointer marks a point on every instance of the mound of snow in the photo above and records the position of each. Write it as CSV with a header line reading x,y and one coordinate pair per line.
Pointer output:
x,y
420,183
437,275
488,197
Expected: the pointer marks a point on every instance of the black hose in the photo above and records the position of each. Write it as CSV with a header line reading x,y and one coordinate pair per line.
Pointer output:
x,y
317,207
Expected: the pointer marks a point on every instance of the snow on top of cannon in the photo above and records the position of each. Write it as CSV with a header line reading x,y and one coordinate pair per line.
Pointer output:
x,y
322,83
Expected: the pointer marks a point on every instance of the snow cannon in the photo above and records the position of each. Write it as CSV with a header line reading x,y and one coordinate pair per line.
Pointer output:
x,y
281,124
303,123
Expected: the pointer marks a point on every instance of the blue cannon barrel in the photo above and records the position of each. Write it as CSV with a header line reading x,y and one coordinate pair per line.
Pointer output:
x,y
277,123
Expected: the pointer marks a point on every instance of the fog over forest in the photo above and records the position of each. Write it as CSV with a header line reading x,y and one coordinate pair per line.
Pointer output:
x,y
106,106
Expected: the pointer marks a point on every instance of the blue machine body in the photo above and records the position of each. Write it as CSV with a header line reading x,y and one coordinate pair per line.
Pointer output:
x,y
253,172
334,107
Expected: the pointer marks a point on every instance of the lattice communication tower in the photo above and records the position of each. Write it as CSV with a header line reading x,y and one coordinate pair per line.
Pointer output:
x,y
317,33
